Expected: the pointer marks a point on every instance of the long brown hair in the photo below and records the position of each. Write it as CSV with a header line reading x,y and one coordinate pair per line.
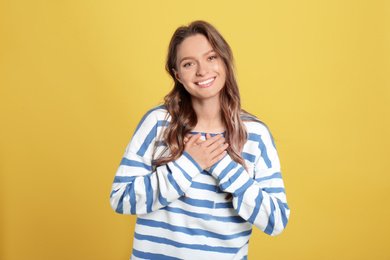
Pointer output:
x,y
178,101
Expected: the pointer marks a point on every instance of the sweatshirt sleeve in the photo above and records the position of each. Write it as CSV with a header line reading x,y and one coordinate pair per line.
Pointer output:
x,y
261,200
139,188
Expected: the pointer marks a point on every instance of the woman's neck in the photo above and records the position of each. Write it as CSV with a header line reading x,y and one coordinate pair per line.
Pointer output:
x,y
209,116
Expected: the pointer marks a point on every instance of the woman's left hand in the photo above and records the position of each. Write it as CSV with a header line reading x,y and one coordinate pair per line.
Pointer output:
x,y
188,136
199,141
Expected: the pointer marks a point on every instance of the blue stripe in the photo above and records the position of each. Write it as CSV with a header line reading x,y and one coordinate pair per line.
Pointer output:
x,y
203,247
203,186
244,187
188,177
262,147
258,201
119,207
199,203
264,154
192,160
276,175
254,137
249,157
232,219
145,116
246,117
163,201
113,192
239,202
225,171
232,179
216,164
207,203
147,255
283,209
191,231
161,123
249,117
274,190
220,191
204,134
224,205
271,221
128,191
205,173
148,140
160,143
149,193
173,182
124,179
133,202
269,132
132,163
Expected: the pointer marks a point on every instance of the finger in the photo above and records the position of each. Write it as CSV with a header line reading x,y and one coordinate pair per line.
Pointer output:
x,y
217,143
219,150
193,139
188,136
218,157
199,141
213,139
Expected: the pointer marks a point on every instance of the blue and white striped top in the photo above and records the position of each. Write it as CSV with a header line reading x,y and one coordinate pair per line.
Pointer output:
x,y
202,224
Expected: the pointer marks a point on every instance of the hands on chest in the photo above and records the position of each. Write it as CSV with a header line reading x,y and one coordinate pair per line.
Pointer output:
x,y
205,152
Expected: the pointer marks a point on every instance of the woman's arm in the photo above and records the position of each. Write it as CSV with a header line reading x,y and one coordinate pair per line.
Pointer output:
x,y
260,200
137,188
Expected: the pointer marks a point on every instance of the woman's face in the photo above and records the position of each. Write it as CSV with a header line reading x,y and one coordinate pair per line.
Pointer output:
x,y
199,68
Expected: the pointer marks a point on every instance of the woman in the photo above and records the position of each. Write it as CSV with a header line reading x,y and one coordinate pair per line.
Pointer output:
x,y
199,171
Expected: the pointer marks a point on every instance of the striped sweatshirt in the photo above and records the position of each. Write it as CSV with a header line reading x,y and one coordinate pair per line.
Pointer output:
x,y
182,211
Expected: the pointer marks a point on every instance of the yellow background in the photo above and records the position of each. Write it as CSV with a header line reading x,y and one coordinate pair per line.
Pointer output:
x,y
77,76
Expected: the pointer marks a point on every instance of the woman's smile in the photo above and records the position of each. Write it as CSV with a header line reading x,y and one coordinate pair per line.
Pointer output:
x,y
206,83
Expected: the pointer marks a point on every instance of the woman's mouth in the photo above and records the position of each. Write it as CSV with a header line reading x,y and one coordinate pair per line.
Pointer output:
x,y
206,83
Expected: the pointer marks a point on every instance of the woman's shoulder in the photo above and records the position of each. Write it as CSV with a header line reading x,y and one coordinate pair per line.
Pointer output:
x,y
153,116
158,112
253,123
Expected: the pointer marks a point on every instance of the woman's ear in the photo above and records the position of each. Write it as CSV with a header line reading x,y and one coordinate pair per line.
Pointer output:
x,y
176,75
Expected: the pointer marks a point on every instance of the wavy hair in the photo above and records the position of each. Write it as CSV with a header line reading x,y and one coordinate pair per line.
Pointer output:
x,y
178,100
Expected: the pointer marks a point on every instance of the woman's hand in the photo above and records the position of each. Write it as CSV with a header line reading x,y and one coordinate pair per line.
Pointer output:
x,y
188,136
205,153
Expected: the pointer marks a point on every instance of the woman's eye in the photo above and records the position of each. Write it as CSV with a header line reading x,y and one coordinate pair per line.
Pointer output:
x,y
212,58
188,64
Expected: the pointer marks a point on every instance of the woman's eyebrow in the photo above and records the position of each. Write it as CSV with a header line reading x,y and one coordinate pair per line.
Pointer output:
x,y
189,57
207,53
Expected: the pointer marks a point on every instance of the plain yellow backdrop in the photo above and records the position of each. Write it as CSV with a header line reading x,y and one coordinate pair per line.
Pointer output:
x,y
77,76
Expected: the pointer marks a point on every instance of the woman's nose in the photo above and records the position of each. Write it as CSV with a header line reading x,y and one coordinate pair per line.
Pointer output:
x,y
201,69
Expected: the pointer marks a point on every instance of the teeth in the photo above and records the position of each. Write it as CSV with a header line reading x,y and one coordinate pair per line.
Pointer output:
x,y
206,82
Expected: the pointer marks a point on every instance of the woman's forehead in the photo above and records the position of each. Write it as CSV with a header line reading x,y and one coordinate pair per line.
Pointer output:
x,y
194,46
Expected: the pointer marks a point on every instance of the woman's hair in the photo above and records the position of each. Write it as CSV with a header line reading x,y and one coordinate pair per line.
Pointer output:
x,y
179,105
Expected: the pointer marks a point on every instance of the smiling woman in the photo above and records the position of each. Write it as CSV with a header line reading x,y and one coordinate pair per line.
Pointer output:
x,y
200,70
199,171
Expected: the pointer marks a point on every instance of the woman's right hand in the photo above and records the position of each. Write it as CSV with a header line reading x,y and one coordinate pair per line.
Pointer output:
x,y
206,153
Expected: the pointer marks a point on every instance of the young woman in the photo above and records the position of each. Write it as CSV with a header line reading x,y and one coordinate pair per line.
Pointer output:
x,y
199,171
